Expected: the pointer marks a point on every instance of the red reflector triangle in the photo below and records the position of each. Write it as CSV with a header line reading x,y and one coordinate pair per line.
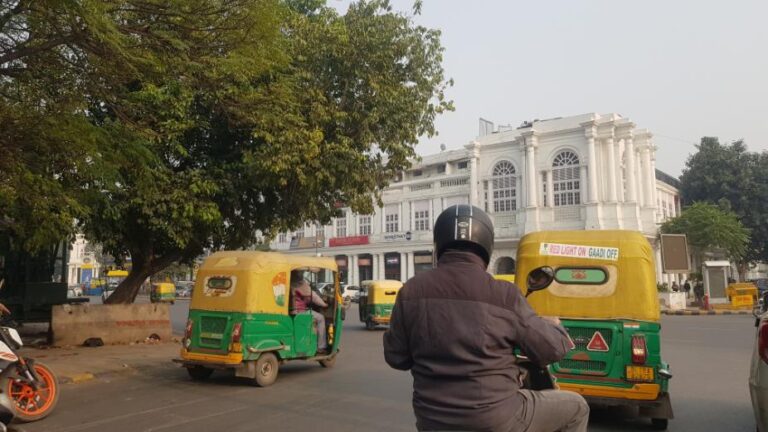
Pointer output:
x,y
597,343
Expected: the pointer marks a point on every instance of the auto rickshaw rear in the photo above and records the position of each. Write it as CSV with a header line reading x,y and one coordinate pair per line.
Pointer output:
x,y
240,318
377,298
605,294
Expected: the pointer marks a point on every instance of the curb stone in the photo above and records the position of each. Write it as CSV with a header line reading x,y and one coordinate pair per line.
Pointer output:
x,y
705,312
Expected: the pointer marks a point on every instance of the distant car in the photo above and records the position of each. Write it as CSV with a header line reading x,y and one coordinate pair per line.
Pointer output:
x,y
74,291
758,371
351,293
184,288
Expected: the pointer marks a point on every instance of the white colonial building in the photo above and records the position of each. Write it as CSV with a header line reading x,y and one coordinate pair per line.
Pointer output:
x,y
583,172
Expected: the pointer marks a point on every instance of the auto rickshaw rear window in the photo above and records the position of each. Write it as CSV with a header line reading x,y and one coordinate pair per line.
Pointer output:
x,y
219,286
581,275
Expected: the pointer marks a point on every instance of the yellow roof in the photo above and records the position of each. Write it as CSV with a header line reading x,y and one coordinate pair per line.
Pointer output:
x,y
635,295
383,283
258,281
261,261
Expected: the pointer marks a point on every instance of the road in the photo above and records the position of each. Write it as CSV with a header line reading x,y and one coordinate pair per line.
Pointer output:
x,y
709,358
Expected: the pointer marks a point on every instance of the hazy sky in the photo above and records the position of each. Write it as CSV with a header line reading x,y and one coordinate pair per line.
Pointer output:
x,y
682,69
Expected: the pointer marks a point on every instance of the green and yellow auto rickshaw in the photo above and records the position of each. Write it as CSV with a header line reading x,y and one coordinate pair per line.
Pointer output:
x,y
163,292
605,294
240,319
377,298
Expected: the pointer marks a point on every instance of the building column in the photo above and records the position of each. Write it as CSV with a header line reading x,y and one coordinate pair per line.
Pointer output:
x,y
582,184
592,170
550,189
611,162
629,151
410,266
652,156
403,266
473,177
648,196
619,172
490,194
530,168
659,269
354,272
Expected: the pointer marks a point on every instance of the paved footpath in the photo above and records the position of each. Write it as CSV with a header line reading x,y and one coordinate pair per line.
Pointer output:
x,y
80,364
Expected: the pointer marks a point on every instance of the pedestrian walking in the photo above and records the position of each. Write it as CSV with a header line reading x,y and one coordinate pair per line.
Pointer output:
x,y
698,291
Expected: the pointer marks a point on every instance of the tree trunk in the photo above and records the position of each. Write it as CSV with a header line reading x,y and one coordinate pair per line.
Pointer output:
x,y
143,267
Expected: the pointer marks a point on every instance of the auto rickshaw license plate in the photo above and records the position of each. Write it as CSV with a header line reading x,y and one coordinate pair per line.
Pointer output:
x,y
640,373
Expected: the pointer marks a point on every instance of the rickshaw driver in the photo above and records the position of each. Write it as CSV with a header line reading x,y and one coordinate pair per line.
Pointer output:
x,y
456,328
303,298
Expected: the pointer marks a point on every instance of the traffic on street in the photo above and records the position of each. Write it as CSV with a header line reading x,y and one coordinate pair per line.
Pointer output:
x,y
711,355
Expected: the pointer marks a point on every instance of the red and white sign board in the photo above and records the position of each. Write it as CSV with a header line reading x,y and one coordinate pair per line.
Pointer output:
x,y
597,343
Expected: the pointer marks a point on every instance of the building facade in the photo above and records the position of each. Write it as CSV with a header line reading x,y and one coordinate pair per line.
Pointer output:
x,y
575,173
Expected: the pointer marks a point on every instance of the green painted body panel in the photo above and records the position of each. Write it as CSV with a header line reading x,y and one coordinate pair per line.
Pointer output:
x,y
212,333
582,366
376,311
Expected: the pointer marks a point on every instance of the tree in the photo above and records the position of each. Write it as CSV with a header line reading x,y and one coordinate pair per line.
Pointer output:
x,y
232,147
708,227
719,173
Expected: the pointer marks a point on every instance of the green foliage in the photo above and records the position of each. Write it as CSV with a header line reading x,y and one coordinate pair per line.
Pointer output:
x,y
731,176
168,127
708,226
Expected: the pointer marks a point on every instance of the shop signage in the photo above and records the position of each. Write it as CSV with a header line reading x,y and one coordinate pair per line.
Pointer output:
x,y
348,241
307,242
363,262
393,259
406,236
422,259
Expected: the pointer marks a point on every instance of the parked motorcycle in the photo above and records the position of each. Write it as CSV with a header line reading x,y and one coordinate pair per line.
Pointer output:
x,y
29,390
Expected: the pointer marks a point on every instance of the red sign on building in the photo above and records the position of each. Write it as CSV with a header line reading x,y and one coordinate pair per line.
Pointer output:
x,y
348,241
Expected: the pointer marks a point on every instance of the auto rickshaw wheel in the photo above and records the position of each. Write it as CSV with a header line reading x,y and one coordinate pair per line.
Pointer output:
x,y
199,373
660,423
369,324
266,370
329,362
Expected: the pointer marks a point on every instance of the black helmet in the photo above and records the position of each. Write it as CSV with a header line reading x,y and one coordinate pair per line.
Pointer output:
x,y
464,226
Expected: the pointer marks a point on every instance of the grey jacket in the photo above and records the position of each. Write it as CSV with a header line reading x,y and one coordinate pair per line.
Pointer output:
x,y
455,328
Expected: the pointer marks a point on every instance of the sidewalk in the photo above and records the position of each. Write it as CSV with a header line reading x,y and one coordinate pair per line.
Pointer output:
x,y
80,364
697,311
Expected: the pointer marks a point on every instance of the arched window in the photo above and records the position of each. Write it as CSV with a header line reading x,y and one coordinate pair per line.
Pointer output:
x,y
504,187
505,265
566,186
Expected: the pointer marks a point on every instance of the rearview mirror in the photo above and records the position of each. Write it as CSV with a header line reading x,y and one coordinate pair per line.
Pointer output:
x,y
539,279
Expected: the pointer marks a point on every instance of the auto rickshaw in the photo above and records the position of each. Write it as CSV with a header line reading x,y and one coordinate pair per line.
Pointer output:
x,y
605,294
377,298
163,292
240,319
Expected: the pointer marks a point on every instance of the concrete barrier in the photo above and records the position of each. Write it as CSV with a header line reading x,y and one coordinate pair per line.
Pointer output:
x,y
114,324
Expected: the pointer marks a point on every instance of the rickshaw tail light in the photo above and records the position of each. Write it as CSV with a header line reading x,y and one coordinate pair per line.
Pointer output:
x,y
237,332
639,351
762,341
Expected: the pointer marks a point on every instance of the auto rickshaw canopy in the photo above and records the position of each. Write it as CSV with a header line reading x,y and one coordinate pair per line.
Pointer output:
x,y
250,281
164,288
605,274
382,291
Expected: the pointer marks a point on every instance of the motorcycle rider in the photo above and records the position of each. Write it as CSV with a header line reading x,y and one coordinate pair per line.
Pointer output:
x,y
455,328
